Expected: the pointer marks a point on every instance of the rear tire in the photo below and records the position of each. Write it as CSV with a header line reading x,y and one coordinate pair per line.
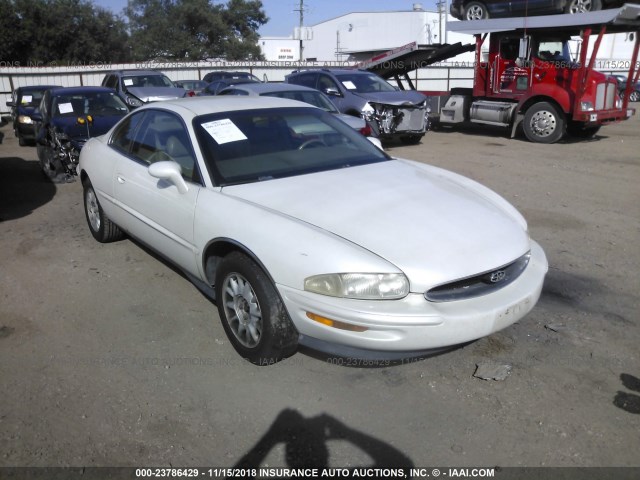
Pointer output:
x,y
543,123
475,11
102,229
252,313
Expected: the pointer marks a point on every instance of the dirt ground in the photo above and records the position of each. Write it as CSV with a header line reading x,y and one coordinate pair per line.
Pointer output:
x,y
109,357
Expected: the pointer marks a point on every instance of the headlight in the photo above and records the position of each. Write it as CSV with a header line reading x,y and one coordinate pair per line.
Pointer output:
x,y
367,111
133,101
362,286
586,106
25,119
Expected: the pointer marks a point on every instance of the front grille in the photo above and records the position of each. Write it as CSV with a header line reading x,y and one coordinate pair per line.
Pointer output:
x,y
413,119
480,284
606,94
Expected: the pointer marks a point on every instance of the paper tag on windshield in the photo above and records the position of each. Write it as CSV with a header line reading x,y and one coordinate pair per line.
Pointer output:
x,y
224,131
349,85
65,108
27,99
128,82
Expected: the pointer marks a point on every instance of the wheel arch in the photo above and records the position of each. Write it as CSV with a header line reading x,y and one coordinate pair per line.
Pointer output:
x,y
217,249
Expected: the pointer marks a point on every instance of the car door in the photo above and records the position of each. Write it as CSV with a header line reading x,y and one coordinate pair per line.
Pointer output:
x,y
152,209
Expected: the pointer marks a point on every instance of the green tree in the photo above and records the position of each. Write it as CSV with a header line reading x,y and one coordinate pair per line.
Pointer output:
x,y
195,29
63,31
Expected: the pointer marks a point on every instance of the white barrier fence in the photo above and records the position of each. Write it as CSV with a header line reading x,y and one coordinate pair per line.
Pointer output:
x,y
439,78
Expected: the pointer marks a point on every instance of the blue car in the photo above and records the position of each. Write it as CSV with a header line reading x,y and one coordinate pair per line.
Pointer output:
x,y
23,103
66,119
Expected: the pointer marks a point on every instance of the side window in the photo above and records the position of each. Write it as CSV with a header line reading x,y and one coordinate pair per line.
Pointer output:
x,y
325,82
123,137
509,48
162,136
305,79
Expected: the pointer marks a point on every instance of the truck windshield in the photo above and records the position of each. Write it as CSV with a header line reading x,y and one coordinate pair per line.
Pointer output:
x,y
554,50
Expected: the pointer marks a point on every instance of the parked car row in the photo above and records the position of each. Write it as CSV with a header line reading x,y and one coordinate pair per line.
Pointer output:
x,y
60,120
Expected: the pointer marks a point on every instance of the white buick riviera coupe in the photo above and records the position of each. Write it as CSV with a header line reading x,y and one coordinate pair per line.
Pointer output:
x,y
306,233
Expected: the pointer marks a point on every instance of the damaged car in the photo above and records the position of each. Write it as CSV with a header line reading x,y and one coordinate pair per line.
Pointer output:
x,y
390,112
66,119
137,87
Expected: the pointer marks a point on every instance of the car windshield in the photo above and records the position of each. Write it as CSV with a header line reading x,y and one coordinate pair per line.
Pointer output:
x,y
315,98
147,81
31,98
364,82
96,104
256,145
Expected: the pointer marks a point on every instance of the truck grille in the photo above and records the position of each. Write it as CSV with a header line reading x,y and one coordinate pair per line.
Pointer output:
x,y
413,119
606,94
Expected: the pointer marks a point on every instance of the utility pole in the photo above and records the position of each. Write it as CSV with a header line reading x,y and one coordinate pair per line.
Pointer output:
x,y
442,6
300,10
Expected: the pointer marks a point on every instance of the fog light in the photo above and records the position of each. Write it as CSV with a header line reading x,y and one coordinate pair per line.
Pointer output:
x,y
336,323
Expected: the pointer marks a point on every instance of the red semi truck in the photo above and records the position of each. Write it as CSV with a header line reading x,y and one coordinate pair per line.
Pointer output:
x,y
529,77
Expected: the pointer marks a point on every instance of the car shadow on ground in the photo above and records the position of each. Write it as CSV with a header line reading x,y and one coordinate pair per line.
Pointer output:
x,y
305,442
476,130
23,188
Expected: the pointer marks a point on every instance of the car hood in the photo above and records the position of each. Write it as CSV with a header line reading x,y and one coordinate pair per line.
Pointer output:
x,y
155,94
99,126
408,97
433,225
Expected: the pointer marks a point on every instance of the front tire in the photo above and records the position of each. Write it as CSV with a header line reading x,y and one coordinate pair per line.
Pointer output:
x,y
101,227
543,123
411,139
252,313
475,11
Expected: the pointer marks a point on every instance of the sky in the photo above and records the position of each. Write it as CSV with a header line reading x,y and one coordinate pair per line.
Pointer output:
x,y
283,19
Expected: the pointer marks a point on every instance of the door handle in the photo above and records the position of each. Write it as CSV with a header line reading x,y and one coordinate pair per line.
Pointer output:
x,y
120,179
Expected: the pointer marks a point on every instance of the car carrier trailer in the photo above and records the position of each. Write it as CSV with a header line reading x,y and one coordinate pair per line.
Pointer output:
x,y
529,77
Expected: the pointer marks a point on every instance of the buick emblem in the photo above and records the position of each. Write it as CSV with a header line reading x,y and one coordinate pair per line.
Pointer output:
x,y
497,276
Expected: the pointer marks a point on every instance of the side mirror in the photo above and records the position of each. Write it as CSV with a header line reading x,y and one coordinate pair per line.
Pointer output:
x,y
10,103
171,172
332,91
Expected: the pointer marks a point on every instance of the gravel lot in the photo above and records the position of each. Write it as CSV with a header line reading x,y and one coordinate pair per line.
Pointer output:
x,y
110,357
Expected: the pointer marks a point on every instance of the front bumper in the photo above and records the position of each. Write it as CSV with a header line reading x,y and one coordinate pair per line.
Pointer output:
x,y
414,324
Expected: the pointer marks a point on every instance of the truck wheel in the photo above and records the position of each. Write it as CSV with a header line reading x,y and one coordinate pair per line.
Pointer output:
x,y
578,130
543,123
252,313
475,11
582,6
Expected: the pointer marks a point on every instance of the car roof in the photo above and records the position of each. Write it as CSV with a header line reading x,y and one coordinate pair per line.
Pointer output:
x,y
134,73
190,107
333,71
260,88
35,88
77,90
